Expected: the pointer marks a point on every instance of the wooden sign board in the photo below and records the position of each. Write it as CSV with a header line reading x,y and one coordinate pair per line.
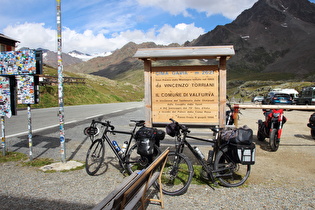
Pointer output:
x,y
188,94
192,95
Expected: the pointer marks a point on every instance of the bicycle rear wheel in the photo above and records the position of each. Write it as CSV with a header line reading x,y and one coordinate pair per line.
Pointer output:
x,y
229,173
95,157
177,174
134,161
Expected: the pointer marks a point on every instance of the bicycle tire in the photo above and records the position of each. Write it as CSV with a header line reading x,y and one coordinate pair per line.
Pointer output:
x,y
134,161
274,140
229,173
95,157
177,174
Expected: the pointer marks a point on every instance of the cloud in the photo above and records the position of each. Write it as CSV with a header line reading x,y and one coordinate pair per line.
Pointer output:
x,y
228,8
36,35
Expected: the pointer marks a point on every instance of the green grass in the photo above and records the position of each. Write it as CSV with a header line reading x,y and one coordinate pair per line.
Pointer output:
x,y
12,156
97,90
38,162
22,159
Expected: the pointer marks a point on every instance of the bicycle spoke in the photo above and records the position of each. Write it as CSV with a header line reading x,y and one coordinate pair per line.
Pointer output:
x,y
134,161
177,174
94,157
230,174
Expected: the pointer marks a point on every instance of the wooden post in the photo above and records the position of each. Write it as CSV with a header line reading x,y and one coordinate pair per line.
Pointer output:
x,y
222,91
147,91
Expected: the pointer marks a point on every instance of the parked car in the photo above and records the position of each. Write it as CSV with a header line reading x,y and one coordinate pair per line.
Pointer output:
x,y
278,98
258,99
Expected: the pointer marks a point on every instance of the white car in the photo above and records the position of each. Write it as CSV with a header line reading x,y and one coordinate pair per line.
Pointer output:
x,y
258,99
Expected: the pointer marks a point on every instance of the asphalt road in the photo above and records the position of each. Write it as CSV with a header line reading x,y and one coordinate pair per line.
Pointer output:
x,y
43,119
45,128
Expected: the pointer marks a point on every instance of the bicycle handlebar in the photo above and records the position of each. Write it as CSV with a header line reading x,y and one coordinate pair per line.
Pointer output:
x,y
106,123
181,127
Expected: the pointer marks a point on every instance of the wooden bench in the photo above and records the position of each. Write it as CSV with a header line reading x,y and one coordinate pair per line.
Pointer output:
x,y
134,188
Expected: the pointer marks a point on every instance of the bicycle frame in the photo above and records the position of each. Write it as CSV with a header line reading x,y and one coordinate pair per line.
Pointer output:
x,y
111,129
212,142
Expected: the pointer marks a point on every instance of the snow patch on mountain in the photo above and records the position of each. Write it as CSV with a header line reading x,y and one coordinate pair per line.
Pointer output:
x,y
86,57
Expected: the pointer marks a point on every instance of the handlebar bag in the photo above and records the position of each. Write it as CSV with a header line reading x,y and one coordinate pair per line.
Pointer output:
x,y
172,129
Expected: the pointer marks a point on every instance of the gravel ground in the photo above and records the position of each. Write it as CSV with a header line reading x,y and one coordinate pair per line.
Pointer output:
x,y
279,180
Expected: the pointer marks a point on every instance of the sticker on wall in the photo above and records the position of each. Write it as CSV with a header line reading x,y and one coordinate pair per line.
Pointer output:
x,y
5,104
25,89
18,62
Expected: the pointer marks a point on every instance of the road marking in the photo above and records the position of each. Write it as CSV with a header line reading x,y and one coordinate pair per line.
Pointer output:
x,y
36,130
73,121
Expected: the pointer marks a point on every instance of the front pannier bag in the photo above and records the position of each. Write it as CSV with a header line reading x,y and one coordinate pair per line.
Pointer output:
x,y
146,138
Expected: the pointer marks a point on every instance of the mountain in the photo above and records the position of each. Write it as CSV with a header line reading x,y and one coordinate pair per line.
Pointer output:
x,y
86,57
50,59
274,36
274,39
120,61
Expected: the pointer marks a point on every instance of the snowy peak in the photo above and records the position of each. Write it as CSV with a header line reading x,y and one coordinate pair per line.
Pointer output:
x,y
86,57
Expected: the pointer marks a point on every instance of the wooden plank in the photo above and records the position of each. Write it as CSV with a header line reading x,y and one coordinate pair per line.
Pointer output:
x,y
286,107
124,193
147,92
222,91
188,52
114,193
140,193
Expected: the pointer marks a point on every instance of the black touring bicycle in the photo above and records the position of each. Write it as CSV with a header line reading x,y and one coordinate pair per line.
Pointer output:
x,y
229,162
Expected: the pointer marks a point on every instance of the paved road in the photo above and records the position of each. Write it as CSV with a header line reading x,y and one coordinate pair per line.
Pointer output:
x,y
45,126
48,118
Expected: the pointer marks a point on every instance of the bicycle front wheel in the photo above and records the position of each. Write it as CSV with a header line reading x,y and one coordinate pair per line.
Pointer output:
x,y
95,157
229,173
177,174
134,161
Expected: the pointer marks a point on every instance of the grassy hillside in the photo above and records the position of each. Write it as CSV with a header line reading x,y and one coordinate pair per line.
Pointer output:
x,y
96,90
130,87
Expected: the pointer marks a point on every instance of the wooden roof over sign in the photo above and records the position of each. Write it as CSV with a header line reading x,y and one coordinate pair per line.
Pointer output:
x,y
210,52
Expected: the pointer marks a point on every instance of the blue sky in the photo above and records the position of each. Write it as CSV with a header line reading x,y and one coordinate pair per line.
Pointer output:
x,y
96,26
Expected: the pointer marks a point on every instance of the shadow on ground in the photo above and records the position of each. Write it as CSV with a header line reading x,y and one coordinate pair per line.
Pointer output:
x,y
9,203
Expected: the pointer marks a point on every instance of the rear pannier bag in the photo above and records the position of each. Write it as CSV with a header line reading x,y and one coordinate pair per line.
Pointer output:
x,y
244,154
146,138
242,135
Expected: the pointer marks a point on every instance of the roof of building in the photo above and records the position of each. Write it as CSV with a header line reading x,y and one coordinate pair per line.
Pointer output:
x,y
6,37
185,52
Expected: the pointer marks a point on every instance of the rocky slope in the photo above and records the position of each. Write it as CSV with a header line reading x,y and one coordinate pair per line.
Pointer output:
x,y
272,36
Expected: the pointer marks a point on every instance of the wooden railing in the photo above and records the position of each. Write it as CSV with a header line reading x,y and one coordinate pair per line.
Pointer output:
x,y
53,80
